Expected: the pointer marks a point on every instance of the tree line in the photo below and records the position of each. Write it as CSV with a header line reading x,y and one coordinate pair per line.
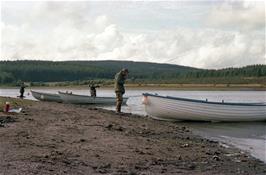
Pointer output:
x,y
83,71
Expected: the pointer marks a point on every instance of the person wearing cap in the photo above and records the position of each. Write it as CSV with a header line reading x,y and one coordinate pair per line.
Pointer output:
x,y
120,78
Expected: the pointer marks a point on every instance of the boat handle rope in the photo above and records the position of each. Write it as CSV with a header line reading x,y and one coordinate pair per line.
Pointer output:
x,y
134,96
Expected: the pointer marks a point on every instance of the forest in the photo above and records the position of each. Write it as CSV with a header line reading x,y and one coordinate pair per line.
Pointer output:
x,y
12,72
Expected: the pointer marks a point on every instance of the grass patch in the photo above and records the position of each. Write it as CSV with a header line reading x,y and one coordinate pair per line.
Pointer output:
x,y
14,102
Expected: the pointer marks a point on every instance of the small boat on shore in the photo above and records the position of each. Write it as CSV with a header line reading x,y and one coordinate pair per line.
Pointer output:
x,y
84,99
173,108
43,96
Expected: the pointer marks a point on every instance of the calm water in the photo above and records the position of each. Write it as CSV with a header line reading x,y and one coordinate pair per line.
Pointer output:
x,y
249,136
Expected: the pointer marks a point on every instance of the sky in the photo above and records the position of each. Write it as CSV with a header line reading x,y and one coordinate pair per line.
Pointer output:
x,y
204,34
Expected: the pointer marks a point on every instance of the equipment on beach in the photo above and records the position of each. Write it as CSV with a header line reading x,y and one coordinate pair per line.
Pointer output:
x,y
18,110
84,99
173,108
43,96
7,107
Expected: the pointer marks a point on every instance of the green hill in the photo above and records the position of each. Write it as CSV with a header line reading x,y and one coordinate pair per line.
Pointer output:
x,y
49,71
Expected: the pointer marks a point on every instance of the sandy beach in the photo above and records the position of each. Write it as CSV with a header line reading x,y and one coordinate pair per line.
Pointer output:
x,y
53,138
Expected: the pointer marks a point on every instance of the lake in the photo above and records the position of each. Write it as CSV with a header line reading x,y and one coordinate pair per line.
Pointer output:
x,y
248,136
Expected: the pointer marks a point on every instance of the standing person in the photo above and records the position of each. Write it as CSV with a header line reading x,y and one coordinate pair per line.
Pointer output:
x,y
120,78
93,89
22,89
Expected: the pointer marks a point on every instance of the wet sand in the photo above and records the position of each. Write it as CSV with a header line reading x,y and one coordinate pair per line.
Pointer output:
x,y
53,138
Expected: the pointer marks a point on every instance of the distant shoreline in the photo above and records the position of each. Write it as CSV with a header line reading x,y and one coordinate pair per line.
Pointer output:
x,y
213,87
201,86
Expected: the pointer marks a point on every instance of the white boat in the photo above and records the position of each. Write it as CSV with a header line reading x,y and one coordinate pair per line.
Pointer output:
x,y
84,99
173,108
43,96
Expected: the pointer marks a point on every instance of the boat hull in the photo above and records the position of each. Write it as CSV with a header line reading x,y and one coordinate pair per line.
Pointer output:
x,y
46,96
166,108
84,99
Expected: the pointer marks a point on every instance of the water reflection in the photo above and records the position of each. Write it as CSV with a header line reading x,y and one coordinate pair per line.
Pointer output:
x,y
248,136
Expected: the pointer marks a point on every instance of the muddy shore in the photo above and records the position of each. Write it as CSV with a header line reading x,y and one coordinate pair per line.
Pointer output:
x,y
53,138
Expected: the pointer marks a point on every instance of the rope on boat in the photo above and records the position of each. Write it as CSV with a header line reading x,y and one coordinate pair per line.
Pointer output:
x,y
134,96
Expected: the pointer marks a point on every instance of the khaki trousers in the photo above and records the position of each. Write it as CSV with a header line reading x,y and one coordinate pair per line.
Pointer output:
x,y
119,101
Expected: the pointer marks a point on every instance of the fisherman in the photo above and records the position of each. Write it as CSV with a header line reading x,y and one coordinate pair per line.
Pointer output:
x,y
22,90
93,89
120,78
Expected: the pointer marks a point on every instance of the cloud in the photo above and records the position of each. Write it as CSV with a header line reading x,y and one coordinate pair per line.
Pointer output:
x,y
67,31
243,15
201,48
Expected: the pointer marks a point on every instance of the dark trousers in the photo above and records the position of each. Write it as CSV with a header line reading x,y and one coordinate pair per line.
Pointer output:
x,y
21,94
93,93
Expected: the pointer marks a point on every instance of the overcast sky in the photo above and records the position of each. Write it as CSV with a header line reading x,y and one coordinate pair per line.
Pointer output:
x,y
204,34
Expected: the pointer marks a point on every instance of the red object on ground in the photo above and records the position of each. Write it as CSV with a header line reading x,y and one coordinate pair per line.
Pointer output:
x,y
7,107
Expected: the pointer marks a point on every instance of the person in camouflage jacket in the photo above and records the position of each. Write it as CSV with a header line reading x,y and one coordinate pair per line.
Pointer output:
x,y
120,78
